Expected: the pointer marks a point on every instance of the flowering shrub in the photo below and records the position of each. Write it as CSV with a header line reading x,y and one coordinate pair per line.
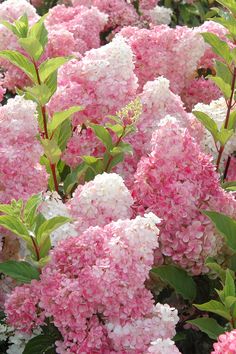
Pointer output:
x,y
117,177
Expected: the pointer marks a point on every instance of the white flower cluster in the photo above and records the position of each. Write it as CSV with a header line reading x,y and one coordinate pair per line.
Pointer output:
x,y
160,15
101,201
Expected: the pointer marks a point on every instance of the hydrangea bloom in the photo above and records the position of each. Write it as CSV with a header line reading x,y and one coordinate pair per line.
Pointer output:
x,y
20,151
100,201
226,343
120,12
176,181
159,51
85,285
103,82
217,111
163,346
158,15
157,101
83,25
21,307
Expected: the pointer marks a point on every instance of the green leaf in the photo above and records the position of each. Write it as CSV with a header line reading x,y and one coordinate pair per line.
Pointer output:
x,y
224,87
214,307
50,66
49,226
20,271
39,31
31,207
229,287
59,117
22,26
32,46
73,178
103,135
39,344
220,47
51,83
216,268
62,134
224,135
223,72
225,225
52,150
178,279
10,26
90,160
115,161
15,225
232,120
21,62
229,301
208,123
229,4
208,326
118,129
6,209
229,186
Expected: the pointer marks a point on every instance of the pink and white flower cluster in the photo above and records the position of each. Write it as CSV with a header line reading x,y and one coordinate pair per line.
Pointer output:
x,y
84,288
21,174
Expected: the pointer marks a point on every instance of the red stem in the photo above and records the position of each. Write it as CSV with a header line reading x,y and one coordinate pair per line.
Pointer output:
x,y
111,157
43,109
36,248
230,105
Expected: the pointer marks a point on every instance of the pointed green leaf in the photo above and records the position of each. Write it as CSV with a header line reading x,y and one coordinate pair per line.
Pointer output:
x,y
178,279
223,72
21,62
52,150
219,46
103,135
50,66
224,135
39,31
31,207
232,120
214,307
208,123
208,326
59,117
49,226
39,344
225,225
229,4
229,287
223,86
15,225
32,46
20,271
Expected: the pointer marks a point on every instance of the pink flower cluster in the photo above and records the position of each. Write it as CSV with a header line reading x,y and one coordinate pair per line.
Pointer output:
x,y
176,181
103,82
74,29
226,343
21,174
86,284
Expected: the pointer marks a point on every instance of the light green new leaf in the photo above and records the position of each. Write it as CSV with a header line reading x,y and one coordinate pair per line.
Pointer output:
x,y
13,224
31,207
229,286
62,134
50,65
229,4
48,226
20,271
59,117
232,120
39,31
208,326
21,62
32,46
223,86
225,225
224,135
178,279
